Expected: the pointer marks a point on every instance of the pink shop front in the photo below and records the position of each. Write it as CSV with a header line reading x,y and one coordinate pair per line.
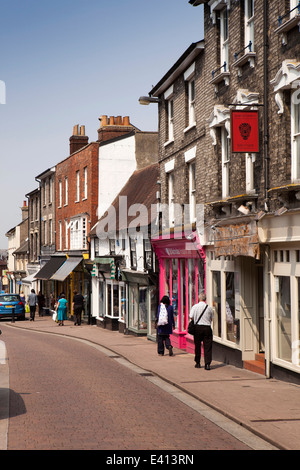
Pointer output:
x,y
182,278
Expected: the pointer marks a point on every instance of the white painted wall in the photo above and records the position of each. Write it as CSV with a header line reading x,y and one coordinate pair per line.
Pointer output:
x,y
116,164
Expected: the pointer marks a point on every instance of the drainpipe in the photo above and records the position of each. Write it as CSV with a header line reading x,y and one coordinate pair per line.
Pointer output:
x,y
267,316
266,104
266,158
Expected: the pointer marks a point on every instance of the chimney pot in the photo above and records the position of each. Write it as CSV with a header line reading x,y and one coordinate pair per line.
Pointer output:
x,y
103,120
111,120
82,130
126,121
118,120
75,129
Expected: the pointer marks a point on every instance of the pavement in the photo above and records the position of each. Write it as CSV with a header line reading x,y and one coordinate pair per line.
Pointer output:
x,y
267,407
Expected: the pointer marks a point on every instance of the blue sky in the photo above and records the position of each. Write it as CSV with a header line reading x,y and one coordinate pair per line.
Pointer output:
x,y
68,62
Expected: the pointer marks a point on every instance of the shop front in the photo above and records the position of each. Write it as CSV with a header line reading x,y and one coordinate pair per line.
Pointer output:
x,y
182,277
142,303
235,290
281,239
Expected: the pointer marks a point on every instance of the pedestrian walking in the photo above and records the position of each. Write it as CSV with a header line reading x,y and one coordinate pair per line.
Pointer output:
x,y
62,309
78,304
22,297
41,303
32,302
165,325
202,315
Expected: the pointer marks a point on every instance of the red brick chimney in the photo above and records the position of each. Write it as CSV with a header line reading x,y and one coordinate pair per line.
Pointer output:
x,y
78,139
114,126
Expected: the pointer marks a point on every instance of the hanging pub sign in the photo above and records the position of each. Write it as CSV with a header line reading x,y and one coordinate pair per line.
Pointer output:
x,y
244,132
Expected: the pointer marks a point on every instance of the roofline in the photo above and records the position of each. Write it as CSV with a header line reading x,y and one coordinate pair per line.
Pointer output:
x,y
196,3
182,64
45,173
120,137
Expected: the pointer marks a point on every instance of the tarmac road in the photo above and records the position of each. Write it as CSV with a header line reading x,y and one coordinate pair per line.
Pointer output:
x,y
67,395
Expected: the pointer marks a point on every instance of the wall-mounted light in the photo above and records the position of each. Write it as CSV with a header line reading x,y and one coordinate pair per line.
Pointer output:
x,y
146,100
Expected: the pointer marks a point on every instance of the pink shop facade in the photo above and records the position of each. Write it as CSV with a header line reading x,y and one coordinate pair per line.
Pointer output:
x,y
182,276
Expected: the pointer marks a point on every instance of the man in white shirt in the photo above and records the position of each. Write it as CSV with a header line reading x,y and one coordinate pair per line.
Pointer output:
x,y
203,331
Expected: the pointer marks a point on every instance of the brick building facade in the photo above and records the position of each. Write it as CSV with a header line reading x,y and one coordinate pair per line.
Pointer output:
x,y
249,61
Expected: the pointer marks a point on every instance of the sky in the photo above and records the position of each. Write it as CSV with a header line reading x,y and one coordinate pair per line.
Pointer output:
x,y
68,62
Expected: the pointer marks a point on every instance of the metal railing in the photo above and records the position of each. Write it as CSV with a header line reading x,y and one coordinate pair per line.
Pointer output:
x,y
242,50
280,18
220,68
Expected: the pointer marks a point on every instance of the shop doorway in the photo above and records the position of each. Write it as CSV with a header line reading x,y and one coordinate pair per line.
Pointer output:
x,y
251,308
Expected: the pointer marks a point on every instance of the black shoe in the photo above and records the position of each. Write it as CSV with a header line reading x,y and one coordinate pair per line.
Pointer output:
x,y
197,365
161,354
207,367
171,351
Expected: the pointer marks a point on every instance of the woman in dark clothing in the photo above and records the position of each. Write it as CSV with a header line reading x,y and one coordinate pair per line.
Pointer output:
x,y
165,330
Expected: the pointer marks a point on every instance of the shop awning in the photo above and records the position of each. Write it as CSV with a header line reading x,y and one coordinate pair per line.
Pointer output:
x,y
138,278
50,268
29,279
69,265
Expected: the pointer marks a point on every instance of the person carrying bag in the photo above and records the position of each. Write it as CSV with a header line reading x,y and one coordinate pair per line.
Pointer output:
x,y
202,315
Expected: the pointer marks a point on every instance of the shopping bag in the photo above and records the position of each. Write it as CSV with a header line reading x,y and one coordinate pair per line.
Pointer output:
x,y
54,316
163,316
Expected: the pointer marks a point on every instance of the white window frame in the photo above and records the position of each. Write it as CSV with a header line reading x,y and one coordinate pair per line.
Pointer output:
x,y
249,23
168,96
66,191
85,183
192,190
189,77
225,161
293,4
59,193
77,186
191,107
45,192
66,235
50,232
50,190
78,233
250,159
45,233
295,136
171,198
170,120
59,235
224,38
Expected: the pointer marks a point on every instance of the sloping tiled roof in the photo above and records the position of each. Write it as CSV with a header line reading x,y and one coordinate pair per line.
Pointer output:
x,y
140,190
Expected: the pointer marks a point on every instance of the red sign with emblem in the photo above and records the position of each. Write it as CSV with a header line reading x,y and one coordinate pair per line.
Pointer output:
x,y
244,132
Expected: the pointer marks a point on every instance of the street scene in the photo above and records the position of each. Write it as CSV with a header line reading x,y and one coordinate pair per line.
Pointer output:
x,y
150,228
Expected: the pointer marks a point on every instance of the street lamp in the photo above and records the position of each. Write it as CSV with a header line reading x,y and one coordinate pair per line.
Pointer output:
x,y
146,100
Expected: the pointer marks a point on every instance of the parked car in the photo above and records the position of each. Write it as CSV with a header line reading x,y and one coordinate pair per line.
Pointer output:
x,y
10,301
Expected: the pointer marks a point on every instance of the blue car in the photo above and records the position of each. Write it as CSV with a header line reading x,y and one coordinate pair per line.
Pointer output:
x,y
10,301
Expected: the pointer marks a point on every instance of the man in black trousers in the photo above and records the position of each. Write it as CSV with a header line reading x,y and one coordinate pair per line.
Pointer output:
x,y
202,315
